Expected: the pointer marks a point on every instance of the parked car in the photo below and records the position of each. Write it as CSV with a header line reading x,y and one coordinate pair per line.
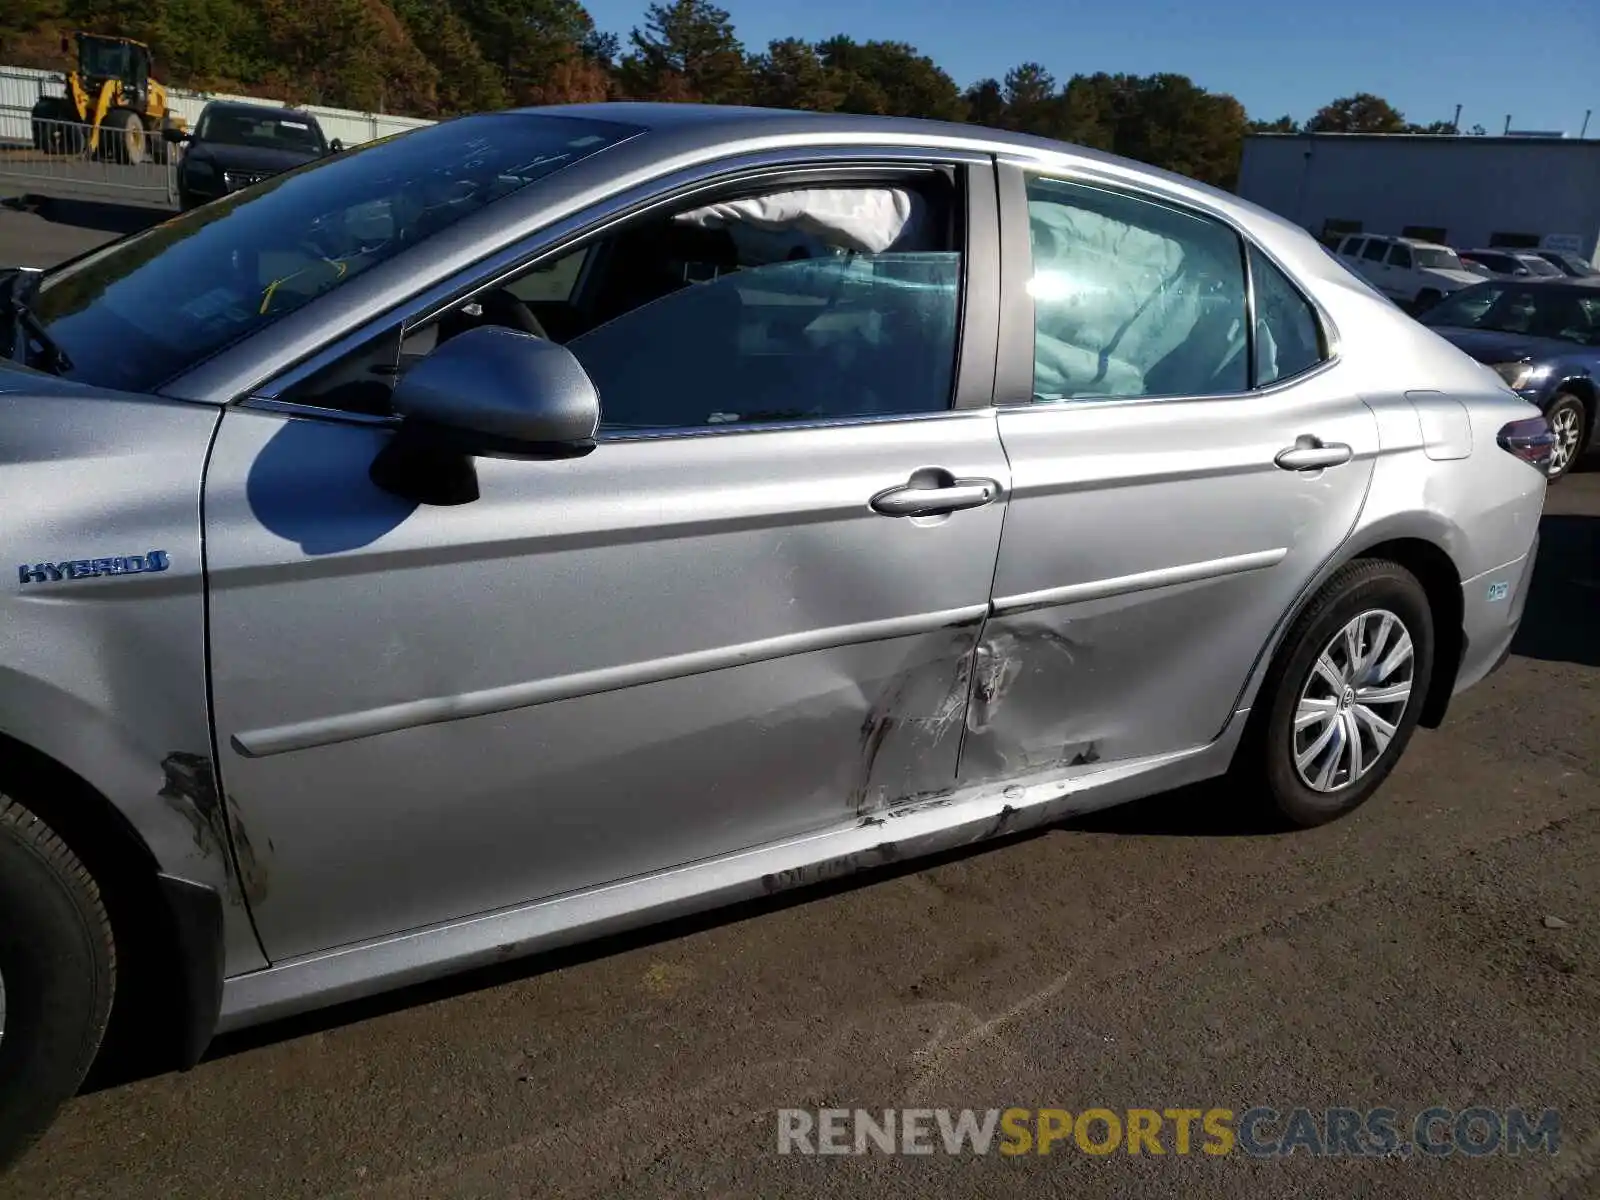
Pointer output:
x,y
515,531
1415,273
237,144
1512,264
1571,265
1543,339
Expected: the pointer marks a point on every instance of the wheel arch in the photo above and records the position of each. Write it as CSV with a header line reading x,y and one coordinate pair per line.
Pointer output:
x,y
1420,549
168,911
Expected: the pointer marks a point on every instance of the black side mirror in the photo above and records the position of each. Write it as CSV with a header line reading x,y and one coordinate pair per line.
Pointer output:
x,y
174,135
336,147
487,393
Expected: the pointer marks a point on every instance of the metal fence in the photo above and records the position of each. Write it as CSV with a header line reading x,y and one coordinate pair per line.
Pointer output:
x,y
66,160
53,158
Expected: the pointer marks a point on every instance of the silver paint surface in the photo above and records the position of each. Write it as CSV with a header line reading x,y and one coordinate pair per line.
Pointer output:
x,y
665,650
107,676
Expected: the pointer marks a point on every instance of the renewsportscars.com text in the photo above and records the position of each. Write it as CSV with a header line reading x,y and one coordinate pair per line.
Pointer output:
x,y
1260,1132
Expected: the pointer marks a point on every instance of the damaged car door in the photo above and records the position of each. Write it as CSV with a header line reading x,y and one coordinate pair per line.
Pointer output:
x,y
747,615
1179,476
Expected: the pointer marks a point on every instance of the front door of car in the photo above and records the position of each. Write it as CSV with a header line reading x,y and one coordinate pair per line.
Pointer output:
x,y
747,615
1170,499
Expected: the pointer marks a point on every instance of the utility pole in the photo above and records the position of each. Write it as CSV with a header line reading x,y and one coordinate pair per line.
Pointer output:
x,y
1587,113
1455,123
1508,125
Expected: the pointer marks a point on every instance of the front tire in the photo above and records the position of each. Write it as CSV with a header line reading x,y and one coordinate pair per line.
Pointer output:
x,y
122,136
1569,421
1342,698
1427,298
58,971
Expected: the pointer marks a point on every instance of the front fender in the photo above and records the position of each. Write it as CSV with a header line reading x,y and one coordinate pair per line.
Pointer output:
x,y
103,667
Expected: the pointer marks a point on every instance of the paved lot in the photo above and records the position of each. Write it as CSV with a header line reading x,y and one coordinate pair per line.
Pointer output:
x,y
1162,955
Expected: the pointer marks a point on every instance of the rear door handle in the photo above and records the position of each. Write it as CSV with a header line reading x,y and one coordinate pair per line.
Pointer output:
x,y
926,500
1312,454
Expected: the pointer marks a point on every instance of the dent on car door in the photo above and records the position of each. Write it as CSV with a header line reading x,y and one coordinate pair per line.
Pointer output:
x,y
700,637
1171,497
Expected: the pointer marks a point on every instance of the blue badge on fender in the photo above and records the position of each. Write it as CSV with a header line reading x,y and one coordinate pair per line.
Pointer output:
x,y
90,568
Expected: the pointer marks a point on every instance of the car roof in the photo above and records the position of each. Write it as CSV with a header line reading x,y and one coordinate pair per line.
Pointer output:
x,y
706,125
244,106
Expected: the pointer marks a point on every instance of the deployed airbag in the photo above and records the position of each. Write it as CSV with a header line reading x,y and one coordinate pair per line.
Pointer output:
x,y
1115,302
866,220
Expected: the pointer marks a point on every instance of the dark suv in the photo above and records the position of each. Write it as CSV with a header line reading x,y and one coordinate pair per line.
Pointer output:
x,y
236,144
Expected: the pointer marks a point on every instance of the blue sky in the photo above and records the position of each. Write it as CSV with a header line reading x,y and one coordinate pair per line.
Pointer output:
x,y
1538,60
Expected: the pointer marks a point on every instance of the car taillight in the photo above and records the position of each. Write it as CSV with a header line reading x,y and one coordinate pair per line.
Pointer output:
x,y
1531,440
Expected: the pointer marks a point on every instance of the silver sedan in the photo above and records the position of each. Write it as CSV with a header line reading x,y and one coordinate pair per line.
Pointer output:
x,y
549,522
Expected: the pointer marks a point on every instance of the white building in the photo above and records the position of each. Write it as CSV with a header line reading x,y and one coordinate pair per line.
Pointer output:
x,y
1534,192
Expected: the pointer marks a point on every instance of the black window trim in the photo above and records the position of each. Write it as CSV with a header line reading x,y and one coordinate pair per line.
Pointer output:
x,y
977,316
1014,373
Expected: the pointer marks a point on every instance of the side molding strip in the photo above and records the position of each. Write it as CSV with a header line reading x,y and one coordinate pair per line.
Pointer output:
x,y
346,727
1143,581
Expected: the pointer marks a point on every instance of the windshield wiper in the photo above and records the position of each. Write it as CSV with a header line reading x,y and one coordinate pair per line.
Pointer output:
x,y
18,285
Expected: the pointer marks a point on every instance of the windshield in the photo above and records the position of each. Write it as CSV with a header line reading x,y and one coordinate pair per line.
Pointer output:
x,y
143,310
102,59
1443,259
1539,267
268,130
1570,314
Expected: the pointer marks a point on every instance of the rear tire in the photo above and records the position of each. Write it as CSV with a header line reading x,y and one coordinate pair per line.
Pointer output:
x,y
1339,677
1569,421
58,969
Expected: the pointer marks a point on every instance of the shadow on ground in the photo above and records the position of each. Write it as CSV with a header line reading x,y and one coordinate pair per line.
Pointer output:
x,y
1562,620
118,219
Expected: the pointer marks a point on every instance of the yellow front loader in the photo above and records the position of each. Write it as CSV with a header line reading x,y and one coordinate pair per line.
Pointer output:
x,y
113,108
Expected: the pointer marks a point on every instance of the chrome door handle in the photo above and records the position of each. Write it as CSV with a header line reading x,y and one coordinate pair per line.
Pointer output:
x,y
911,500
1312,454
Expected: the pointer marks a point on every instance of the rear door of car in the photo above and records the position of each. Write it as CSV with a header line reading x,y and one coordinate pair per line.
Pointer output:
x,y
698,638
1178,477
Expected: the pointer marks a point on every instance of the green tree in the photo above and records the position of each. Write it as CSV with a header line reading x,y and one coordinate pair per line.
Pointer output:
x,y
986,103
687,50
1032,103
347,53
526,39
792,75
468,82
1284,124
1360,113
892,79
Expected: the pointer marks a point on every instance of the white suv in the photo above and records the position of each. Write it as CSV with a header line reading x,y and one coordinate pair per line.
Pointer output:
x,y
1412,272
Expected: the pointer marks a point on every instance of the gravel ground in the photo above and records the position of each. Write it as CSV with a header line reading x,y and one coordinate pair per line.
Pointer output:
x,y
1439,947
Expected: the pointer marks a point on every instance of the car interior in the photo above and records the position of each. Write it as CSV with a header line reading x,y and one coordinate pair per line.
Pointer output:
x,y
696,315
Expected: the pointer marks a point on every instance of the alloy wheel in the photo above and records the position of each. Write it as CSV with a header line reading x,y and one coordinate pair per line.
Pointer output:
x,y
1351,705
1567,424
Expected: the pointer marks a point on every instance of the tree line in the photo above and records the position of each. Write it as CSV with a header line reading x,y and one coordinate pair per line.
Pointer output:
x,y
437,58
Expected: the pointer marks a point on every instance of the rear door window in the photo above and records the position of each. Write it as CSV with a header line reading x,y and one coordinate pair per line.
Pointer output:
x,y
1132,297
